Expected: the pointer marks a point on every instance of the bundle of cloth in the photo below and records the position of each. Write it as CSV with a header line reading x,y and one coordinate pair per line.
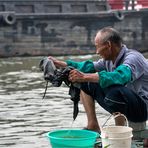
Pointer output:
x,y
56,77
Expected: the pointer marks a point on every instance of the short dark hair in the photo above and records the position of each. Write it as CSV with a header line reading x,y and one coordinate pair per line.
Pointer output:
x,y
111,34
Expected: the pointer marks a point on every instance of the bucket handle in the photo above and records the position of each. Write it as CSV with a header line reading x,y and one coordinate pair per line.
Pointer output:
x,y
119,114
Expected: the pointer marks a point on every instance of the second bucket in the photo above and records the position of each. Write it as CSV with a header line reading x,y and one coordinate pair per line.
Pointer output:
x,y
117,136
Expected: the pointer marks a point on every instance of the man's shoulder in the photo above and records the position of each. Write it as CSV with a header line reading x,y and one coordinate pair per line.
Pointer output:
x,y
133,53
135,57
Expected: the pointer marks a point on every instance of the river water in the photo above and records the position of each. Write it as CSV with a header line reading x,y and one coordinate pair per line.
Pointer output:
x,y
25,117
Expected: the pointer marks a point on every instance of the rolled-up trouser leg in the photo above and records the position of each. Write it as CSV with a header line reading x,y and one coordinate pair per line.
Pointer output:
x,y
118,98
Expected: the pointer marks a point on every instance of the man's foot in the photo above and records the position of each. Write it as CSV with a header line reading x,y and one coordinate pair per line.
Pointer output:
x,y
92,129
145,143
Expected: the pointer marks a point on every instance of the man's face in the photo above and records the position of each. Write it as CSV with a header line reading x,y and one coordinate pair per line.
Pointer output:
x,y
103,49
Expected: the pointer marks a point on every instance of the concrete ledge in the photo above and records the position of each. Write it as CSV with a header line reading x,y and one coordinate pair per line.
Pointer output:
x,y
138,126
141,134
140,130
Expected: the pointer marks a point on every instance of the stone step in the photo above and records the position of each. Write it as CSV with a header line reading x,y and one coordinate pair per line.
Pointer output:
x,y
140,130
141,134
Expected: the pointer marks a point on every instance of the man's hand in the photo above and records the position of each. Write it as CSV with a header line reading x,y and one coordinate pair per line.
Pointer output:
x,y
77,76
57,62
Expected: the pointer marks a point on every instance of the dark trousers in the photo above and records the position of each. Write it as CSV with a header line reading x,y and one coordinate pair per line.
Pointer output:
x,y
118,98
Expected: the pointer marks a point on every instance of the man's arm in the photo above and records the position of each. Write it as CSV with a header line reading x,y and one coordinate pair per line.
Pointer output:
x,y
58,63
84,66
121,75
77,76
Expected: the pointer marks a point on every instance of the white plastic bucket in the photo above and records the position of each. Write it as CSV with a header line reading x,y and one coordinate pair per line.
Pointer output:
x,y
116,136
116,142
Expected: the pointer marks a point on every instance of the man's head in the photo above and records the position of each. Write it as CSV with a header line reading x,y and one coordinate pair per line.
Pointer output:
x,y
108,43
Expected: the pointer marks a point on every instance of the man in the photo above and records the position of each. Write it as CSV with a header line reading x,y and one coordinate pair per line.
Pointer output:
x,y
118,81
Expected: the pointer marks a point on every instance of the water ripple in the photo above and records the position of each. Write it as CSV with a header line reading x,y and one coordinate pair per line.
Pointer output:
x,y
25,117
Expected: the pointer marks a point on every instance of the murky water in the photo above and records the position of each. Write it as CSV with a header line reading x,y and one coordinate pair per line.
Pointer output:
x,y
24,117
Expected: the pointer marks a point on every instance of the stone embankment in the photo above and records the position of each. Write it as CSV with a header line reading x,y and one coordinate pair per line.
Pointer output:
x,y
65,27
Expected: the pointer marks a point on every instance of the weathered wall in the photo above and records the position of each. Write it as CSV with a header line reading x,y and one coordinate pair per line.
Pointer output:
x,y
134,29
53,6
68,33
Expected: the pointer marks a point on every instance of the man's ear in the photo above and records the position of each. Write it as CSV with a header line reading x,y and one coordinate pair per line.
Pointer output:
x,y
109,44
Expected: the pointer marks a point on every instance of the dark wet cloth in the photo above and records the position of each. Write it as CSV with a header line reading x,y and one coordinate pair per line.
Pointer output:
x,y
57,76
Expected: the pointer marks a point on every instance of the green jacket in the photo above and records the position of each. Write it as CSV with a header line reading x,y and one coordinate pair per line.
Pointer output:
x,y
121,75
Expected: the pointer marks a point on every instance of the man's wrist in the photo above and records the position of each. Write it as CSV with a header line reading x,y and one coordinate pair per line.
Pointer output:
x,y
91,77
60,63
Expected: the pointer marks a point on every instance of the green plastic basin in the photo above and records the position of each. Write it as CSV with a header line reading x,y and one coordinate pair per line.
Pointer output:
x,y
72,138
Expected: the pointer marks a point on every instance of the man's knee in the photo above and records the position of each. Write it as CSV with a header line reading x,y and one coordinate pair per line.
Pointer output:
x,y
115,101
92,89
114,105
